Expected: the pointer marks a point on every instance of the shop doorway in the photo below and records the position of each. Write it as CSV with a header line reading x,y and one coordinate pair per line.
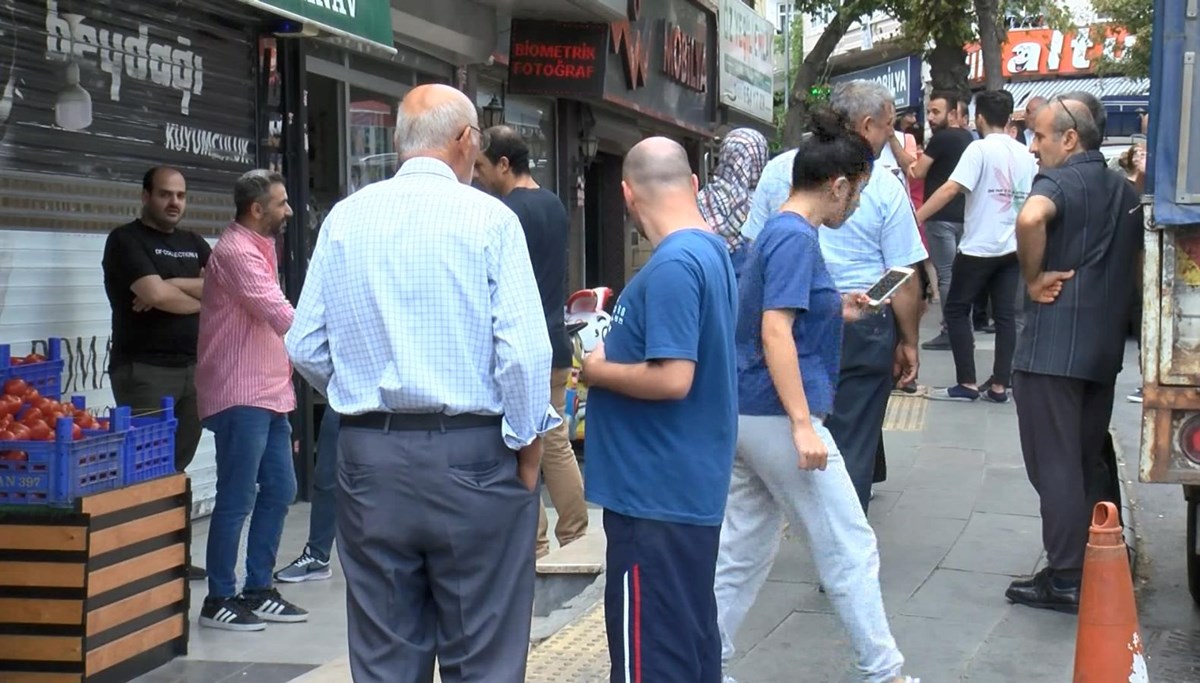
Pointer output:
x,y
604,224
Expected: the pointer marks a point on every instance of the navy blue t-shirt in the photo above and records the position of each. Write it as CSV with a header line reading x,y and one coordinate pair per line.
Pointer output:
x,y
670,461
786,271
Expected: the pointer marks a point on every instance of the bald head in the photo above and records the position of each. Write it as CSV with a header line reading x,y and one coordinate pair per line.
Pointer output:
x,y
1075,115
433,121
1033,106
657,164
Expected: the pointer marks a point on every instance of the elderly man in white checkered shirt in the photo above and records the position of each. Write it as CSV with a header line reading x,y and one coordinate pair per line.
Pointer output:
x,y
421,322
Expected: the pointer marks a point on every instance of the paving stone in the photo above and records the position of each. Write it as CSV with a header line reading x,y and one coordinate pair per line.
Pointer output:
x,y
997,544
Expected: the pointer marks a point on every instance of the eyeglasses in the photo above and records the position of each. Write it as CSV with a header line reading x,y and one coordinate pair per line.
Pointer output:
x,y
1063,102
485,140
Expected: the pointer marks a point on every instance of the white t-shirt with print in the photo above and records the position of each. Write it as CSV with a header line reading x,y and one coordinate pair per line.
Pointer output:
x,y
887,160
997,172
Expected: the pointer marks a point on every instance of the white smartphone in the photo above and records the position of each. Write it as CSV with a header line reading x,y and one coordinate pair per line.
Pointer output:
x,y
887,285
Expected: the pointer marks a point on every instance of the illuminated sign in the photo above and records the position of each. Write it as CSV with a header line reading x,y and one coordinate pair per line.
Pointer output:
x,y
555,58
1047,52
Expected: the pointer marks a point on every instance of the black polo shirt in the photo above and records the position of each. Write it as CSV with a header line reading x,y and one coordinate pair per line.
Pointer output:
x,y
1097,231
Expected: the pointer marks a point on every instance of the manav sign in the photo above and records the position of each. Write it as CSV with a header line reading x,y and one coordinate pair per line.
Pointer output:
x,y
901,76
368,20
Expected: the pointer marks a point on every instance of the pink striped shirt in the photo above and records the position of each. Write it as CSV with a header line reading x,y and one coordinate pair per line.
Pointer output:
x,y
241,360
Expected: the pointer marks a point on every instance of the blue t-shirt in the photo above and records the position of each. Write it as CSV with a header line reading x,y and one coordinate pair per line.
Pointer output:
x,y
786,271
670,461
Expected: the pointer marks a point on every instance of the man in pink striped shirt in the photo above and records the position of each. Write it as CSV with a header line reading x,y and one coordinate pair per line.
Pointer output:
x,y
244,391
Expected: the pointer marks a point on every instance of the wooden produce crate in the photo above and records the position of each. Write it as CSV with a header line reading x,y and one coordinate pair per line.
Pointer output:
x,y
98,593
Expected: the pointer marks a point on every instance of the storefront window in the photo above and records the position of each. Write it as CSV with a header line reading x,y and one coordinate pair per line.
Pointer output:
x,y
533,118
372,151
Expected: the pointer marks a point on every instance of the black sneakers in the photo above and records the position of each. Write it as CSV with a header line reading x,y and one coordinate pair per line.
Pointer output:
x,y
249,611
268,605
229,614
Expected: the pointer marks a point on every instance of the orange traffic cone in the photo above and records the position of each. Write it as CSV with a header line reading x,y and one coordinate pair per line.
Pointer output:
x,y
1108,645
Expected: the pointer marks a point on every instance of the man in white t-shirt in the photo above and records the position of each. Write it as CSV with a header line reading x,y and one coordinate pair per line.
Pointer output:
x,y
996,172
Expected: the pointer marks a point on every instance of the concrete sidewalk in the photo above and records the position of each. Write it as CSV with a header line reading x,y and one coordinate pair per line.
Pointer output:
x,y
956,520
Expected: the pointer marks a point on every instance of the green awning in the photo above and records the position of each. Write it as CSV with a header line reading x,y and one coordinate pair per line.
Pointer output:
x,y
366,20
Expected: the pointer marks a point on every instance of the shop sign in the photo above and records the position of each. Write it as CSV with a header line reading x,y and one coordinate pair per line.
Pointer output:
x,y
106,90
747,72
368,20
555,58
1048,52
662,61
902,77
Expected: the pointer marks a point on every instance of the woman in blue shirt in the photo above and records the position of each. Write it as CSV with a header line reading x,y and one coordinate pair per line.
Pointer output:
x,y
787,464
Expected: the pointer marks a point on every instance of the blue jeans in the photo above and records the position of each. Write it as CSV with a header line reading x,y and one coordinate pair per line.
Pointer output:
x,y
255,478
322,522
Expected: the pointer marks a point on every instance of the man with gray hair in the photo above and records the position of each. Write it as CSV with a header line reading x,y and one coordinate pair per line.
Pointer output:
x,y
1032,107
1078,237
422,324
881,233
244,390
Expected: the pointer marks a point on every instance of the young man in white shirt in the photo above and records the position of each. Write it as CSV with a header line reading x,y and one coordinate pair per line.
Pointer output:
x,y
996,172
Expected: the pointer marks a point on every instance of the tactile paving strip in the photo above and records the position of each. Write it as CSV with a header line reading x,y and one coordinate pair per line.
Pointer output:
x,y
576,654
905,413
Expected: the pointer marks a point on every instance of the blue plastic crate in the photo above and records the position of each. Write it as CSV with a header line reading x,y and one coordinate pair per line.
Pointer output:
x,y
45,376
150,445
57,472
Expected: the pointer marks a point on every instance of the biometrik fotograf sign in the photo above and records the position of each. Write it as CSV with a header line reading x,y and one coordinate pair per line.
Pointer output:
x,y
557,58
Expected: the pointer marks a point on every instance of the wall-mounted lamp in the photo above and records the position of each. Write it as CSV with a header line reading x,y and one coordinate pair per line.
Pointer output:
x,y
589,146
493,113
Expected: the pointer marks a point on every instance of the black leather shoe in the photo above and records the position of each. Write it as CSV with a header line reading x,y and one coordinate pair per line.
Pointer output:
x,y
1028,581
196,573
1045,592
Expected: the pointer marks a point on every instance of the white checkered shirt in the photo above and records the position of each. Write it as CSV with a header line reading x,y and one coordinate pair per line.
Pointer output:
x,y
420,298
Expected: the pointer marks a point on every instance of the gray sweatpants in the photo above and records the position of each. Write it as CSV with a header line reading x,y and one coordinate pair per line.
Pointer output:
x,y
767,488
435,532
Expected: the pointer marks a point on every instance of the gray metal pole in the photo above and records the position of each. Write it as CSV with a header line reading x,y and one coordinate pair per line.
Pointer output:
x,y
787,57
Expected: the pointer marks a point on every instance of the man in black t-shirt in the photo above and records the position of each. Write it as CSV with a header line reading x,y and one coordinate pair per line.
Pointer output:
x,y
153,275
944,229
503,168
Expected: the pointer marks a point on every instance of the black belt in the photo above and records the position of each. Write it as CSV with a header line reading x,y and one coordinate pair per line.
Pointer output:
x,y
419,422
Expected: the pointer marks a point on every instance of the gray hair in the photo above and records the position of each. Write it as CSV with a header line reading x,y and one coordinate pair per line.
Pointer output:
x,y
859,99
433,128
1099,117
253,188
1070,113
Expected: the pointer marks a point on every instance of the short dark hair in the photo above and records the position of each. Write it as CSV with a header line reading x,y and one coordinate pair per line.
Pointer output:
x,y
253,188
995,106
832,151
1091,140
505,142
951,97
152,175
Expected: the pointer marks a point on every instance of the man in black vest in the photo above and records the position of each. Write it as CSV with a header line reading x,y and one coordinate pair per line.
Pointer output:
x,y
1078,237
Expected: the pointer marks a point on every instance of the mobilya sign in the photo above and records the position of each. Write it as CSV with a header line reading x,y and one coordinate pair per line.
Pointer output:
x,y
552,58
747,69
1047,52
369,20
899,76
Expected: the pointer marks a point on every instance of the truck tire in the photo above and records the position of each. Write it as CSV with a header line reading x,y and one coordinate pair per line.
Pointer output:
x,y
1193,555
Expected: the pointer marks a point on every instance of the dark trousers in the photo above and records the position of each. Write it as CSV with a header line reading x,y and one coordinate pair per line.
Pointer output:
x,y
435,532
864,384
142,387
659,605
322,516
999,277
1069,457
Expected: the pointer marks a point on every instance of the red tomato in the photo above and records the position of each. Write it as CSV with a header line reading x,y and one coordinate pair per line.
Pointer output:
x,y
16,361
33,358
76,432
46,405
32,415
20,456
39,430
88,422
20,432
15,387
31,395
10,404
6,435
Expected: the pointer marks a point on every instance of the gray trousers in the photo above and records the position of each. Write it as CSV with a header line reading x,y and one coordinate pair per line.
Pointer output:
x,y
435,532
943,238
